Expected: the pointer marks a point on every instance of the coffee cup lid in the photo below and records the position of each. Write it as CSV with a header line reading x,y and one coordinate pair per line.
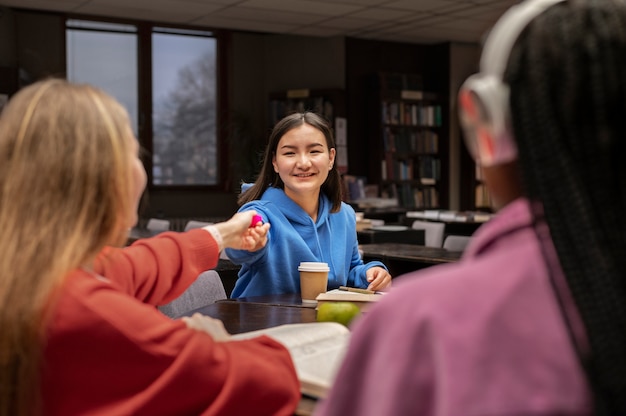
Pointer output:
x,y
312,266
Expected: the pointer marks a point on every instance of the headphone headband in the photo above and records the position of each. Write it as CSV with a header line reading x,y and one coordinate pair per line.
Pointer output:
x,y
506,31
484,97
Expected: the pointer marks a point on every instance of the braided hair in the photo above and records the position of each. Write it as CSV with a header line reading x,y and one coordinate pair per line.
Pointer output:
x,y
567,76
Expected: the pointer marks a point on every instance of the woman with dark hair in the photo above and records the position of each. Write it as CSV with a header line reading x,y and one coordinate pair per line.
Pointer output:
x,y
298,192
532,320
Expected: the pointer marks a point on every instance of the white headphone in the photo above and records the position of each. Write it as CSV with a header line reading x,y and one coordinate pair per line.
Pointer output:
x,y
484,97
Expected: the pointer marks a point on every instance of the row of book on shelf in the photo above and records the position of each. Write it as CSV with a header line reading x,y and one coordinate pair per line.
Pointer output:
x,y
450,215
426,168
411,196
411,114
404,140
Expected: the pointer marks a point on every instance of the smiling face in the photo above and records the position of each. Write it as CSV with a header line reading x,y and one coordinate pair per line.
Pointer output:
x,y
303,160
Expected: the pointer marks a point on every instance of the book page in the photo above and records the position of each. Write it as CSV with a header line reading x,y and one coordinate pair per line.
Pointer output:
x,y
316,349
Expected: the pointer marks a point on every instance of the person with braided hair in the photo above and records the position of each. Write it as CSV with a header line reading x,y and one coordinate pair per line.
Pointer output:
x,y
532,319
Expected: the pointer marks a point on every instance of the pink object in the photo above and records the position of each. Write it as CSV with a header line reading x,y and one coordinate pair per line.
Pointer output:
x,y
255,220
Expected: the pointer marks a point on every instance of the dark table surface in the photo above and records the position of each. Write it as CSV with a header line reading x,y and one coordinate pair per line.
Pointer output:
x,y
287,299
410,252
239,316
405,258
452,227
379,235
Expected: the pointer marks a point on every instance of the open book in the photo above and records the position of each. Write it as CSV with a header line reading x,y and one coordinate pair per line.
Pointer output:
x,y
316,348
362,300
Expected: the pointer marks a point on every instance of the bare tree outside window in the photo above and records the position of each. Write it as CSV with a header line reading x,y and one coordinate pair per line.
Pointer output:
x,y
184,143
184,150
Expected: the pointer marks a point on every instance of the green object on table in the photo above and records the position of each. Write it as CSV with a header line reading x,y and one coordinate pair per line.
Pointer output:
x,y
341,312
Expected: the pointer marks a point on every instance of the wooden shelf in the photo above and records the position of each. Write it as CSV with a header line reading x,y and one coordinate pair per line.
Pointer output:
x,y
412,141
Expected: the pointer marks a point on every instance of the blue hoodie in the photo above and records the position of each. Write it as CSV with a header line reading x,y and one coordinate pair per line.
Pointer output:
x,y
293,238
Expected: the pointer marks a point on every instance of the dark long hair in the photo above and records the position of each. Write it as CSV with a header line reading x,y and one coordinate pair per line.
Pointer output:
x,y
567,77
267,177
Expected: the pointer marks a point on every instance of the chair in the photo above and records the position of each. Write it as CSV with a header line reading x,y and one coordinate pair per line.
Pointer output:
x,y
433,232
157,225
196,224
200,224
456,242
208,288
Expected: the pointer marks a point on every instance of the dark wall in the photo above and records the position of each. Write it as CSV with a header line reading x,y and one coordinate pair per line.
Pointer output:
x,y
31,47
40,46
8,54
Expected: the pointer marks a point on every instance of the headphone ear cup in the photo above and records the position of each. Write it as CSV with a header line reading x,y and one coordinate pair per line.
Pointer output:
x,y
484,115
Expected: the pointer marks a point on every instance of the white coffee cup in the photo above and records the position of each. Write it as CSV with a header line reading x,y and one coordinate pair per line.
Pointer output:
x,y
313,280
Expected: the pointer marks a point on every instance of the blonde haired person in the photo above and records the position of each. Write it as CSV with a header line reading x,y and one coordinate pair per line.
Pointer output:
x,y
80,331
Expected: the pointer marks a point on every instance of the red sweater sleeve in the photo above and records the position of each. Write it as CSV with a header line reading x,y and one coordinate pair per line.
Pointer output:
x,y
157,270
108,353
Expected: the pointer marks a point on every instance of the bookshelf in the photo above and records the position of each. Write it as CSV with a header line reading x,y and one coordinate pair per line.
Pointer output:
x,y
329,103
412,140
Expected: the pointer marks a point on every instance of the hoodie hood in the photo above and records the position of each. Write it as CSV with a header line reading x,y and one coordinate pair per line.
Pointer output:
x,y
293,238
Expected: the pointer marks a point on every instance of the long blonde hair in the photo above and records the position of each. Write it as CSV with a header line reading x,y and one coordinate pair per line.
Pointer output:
x,y
65,178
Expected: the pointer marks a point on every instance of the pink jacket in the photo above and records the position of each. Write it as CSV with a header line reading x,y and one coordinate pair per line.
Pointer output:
x,y
484,336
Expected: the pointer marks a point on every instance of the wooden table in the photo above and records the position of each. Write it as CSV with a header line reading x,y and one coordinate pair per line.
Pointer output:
x,y
403,258
391,215
452,227
291,300
375,236
241,316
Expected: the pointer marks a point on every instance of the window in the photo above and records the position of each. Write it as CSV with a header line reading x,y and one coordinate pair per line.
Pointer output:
x,y
183,108
183,141
105,55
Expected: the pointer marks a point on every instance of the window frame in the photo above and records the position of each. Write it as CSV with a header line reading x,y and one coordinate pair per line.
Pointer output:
x,y
144,94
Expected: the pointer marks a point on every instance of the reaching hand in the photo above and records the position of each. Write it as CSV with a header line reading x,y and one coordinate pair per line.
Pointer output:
x,y
211,326
238,234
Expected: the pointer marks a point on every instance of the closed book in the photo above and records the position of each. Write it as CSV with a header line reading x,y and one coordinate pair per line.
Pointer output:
x,y
362,300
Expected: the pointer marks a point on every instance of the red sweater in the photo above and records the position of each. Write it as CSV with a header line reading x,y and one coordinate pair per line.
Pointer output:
x,y
110,352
